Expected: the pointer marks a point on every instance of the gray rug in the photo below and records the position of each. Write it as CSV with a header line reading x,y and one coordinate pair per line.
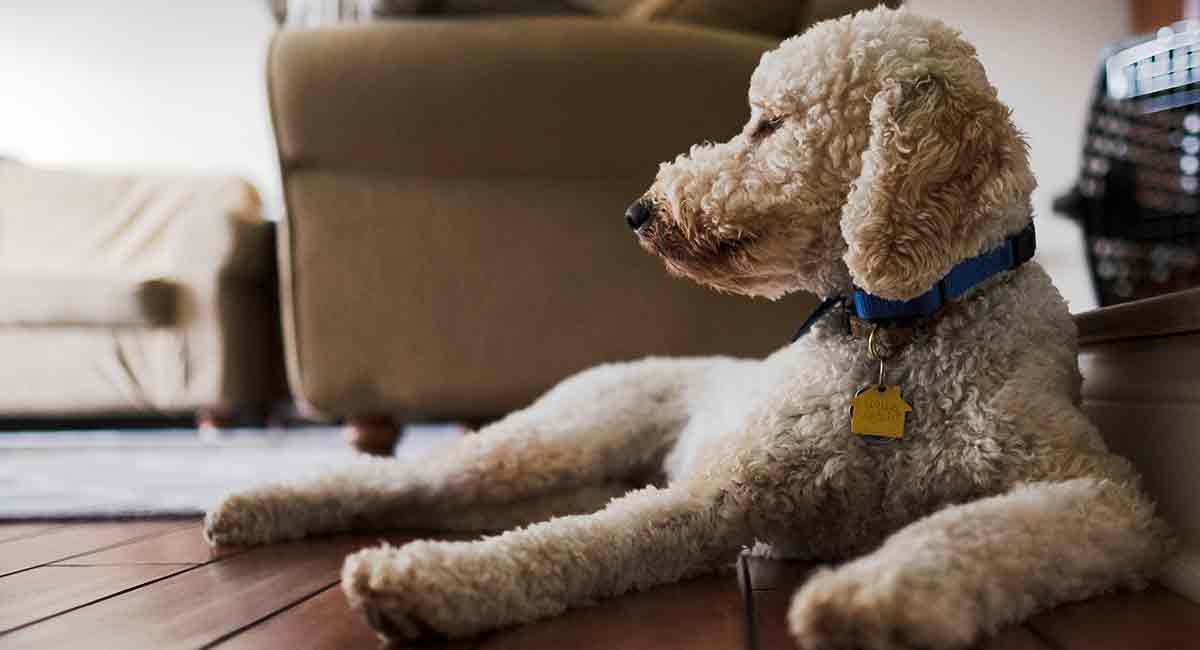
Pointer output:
x,y
163,473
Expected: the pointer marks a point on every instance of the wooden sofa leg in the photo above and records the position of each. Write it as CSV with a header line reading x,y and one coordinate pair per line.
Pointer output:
x,y
373,435
211,422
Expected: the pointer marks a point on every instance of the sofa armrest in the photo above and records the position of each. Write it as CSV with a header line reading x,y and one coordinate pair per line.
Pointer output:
x,y
141,226
217,229
526,97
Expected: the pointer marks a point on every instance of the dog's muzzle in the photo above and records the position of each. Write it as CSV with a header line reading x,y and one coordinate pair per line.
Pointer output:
x,y
639,214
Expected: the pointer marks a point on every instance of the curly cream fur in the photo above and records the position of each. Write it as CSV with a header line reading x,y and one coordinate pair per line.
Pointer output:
x,y
877,154
885,120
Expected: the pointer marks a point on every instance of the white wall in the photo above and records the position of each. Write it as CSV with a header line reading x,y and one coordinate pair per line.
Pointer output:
x,y
1042,55
144,85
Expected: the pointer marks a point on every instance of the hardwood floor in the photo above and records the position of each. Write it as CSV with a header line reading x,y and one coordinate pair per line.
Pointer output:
x,y
156,585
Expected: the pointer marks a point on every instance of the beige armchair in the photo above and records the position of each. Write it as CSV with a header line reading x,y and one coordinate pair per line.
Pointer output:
x,y
455,189
128,295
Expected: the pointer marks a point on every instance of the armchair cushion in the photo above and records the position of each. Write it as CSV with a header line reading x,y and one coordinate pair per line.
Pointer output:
x,y
779,18
402,8
505,98
772,17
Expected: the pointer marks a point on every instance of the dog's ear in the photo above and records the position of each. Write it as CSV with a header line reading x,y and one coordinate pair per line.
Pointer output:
x,y
945,176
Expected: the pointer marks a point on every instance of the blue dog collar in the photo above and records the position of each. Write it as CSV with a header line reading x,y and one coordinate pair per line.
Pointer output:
x,y
1014,252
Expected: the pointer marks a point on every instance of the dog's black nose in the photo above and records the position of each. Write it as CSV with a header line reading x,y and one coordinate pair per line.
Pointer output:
x,y
639,214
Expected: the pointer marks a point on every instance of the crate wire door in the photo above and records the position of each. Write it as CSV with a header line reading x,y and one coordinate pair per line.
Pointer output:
x,y
1138,195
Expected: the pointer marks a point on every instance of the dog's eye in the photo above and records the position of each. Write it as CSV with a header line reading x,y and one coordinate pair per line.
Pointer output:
x,y
766,126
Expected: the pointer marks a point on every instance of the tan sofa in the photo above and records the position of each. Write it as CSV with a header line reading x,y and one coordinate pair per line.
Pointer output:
x,y
129,295
455,188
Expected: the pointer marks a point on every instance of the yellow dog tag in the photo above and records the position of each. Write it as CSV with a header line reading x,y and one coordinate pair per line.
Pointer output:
x,y
878,410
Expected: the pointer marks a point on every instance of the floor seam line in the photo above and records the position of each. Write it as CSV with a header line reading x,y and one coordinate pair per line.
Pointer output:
x,y
126,542
80,606
186,568
292,605
111,564
747,589
36,533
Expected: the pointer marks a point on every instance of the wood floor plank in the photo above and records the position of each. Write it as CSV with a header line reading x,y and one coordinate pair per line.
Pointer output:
x,y
204,604
45,591
183,546
775,581
697,614
11,531
321,622
770,617
75,539
1156,619
1014,637
700,614
129,595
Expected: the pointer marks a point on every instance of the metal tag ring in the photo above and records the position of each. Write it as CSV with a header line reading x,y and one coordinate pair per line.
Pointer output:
x,y
872,351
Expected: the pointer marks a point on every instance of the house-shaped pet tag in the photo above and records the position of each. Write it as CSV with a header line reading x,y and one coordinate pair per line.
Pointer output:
x,y
879,411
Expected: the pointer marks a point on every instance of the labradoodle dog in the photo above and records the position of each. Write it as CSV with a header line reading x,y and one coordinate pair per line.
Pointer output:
x,y
877,165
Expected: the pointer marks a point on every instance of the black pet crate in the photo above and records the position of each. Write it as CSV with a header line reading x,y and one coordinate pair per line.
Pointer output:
x,y
1138,193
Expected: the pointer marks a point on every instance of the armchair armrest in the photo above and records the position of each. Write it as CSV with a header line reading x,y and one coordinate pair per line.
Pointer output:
x,y
527,97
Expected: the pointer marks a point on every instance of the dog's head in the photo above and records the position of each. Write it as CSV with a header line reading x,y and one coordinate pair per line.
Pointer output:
x,y
877,154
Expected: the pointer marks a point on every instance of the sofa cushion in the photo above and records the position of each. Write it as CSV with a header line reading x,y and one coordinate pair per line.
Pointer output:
x,y
77,300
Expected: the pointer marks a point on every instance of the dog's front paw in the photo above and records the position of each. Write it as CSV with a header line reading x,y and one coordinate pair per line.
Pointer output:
x,y
253,517
873,609
395,593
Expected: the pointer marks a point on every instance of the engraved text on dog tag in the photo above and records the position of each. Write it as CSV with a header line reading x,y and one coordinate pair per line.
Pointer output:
x,y
878,410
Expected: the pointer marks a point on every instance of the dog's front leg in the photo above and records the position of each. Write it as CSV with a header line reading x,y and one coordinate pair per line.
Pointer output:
x,y
568,452
454,589
944,581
